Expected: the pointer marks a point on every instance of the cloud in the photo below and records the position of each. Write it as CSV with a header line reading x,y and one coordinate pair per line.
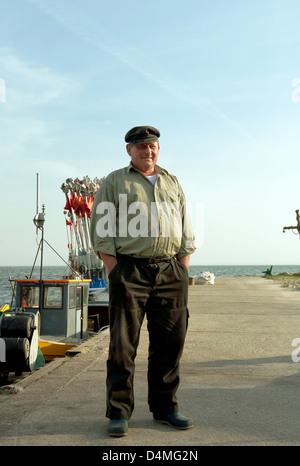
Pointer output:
x,y
76,20
25,130
30,85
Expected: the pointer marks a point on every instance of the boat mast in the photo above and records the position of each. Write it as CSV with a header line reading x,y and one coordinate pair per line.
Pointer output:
x,y
39,221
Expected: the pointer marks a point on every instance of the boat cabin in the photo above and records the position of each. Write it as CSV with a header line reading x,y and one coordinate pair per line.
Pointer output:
x,y
63,305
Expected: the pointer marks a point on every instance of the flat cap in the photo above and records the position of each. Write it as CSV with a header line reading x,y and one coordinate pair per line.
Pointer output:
x,y
142,135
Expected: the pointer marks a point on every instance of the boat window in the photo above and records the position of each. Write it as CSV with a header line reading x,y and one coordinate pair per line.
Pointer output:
x,y
72,297
30,296
53,297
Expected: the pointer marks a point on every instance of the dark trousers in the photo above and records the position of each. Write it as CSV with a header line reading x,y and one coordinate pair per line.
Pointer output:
x,y
160,291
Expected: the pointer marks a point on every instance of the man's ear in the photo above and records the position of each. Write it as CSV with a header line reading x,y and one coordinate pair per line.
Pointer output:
x,y
128,148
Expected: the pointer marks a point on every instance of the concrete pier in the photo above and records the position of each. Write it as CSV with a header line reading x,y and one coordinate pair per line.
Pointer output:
x,y
239,379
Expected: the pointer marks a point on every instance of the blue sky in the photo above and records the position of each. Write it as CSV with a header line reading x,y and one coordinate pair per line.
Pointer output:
x,y
219,79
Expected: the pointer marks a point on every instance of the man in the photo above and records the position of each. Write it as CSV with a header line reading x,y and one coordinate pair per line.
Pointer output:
x,y
139,228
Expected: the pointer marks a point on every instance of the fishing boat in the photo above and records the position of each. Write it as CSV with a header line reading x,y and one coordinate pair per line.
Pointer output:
x,y
58,313
62,306
50,316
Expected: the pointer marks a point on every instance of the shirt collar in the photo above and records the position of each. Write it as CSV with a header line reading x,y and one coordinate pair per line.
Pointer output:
x,y
159,170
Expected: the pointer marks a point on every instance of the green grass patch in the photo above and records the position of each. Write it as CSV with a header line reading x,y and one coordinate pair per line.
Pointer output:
x,y
281,277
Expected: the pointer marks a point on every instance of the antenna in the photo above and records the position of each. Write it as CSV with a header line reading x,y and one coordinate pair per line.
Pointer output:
x,y
37,193
39,221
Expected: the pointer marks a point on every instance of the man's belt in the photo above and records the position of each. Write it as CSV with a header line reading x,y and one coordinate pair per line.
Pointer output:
x,y
147,260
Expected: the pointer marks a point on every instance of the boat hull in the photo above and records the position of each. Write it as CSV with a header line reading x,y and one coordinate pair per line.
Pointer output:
x,y
55,348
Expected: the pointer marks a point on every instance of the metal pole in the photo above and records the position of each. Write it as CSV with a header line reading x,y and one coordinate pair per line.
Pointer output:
x,y
42,247
37,193
42,253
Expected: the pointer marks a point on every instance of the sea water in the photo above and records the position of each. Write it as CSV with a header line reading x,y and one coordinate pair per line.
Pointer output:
x,y
57,272
15,273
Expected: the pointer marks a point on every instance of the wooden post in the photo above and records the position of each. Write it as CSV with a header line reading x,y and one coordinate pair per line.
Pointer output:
x,y
296,227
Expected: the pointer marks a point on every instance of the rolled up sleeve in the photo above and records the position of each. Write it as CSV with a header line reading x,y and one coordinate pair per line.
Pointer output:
x,y
103,240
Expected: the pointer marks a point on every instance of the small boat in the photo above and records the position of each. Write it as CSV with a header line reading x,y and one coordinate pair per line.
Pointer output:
x,y
59,309
63,309
66,308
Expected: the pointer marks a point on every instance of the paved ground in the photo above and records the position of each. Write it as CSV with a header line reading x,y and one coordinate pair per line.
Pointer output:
x,y
239,382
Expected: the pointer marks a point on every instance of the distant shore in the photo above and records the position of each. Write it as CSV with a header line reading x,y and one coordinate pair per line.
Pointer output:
x,y
287,280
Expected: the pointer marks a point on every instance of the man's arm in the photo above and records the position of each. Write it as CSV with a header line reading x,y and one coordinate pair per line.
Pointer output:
x,y
102,243
109,261
185,260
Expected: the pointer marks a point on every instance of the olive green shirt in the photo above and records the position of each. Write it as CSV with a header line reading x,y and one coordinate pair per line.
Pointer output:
x,y
132,216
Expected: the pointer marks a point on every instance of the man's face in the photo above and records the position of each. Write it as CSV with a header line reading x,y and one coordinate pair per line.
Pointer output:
x,y
144,156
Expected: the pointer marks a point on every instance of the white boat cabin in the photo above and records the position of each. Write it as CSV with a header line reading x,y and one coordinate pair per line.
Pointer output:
x,y
63,305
